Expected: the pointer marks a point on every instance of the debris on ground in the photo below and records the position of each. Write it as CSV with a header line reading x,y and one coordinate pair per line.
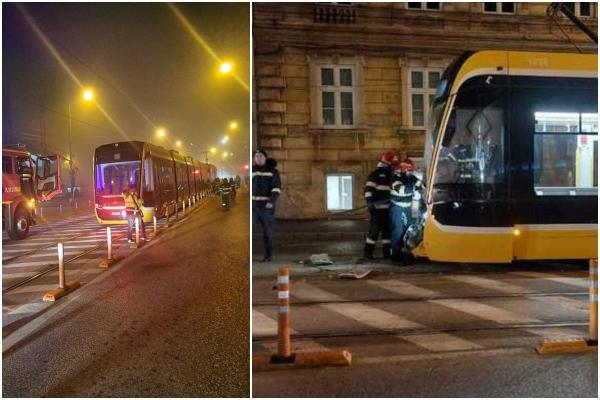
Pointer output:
x,y
357,273
320,259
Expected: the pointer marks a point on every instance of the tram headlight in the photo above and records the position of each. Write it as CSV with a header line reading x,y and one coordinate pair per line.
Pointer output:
x,y
123,214
31,203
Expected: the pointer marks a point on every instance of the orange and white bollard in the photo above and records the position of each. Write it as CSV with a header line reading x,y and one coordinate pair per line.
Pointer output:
x,y
109,243
63,287
284,345
593,318
137,232
61,265
154,225
42,212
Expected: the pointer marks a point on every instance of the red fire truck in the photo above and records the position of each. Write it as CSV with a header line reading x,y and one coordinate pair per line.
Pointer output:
x,y
26,180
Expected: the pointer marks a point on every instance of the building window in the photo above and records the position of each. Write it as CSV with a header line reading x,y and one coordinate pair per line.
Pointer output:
x,y
339,192
423,86
565,154
425,5
337,96
580,9
499,8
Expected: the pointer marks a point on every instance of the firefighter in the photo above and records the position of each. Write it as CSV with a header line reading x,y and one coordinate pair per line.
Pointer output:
x,y
377,195
133,209
406,188
266,188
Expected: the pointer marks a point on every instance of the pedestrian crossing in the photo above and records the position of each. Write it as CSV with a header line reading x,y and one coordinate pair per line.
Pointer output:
x,y
84,243
327,313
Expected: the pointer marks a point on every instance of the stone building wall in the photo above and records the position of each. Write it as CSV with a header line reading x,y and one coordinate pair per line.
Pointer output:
x,y
382,43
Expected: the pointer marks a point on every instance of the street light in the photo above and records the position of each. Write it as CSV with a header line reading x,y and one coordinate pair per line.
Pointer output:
x,y
88,95
233,125
226,68
213,150
161,132
225,139
178,143
225,154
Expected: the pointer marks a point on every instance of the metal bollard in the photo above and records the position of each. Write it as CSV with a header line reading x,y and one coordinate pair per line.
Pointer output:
x,y
284,346
183,207
89,204
137,232
189,202
154,221
42,212
593,309
61,265
60,208
109,243
76,205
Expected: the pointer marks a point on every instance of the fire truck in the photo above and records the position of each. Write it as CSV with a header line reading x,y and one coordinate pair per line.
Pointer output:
x,y
27,179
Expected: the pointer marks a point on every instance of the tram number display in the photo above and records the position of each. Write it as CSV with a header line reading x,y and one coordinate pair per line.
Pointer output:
x,y
116,213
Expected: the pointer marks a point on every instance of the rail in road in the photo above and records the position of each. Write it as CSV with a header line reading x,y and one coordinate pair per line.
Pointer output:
x,y
29,266
425,315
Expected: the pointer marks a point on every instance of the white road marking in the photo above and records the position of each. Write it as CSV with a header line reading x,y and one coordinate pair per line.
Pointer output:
x,y
309,292
487,283
440,342
263,325
567,280
372,316
438,356
35,288
403,288
484,311
29,308
555,333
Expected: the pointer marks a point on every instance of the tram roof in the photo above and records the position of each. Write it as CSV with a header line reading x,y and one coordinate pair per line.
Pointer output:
x,y
525,63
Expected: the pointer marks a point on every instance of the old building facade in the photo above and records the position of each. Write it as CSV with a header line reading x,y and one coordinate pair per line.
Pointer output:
x,y
337,84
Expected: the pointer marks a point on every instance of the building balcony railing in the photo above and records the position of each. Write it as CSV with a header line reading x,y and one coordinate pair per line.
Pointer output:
x,y
335,14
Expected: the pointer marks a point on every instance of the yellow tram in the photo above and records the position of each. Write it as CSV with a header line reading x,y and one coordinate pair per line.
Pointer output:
x,y
511,159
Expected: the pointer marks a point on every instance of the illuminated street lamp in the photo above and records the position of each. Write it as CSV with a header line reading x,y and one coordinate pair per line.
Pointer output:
x,y
178,143
226,68
233,125
225,154
225,140
213,150
88,95
161,132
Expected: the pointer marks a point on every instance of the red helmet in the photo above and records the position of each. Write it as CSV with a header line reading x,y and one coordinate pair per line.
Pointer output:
x,y
389,158
407,165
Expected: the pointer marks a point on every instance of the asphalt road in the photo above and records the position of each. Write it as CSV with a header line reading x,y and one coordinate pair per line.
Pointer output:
x,y
447,333
169,321
493,375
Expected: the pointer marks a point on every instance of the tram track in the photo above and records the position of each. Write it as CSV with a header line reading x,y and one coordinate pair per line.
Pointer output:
x,y
424,331
304,303
52,266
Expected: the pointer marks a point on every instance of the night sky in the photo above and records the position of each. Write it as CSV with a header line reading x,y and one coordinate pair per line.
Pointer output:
x,y
128,53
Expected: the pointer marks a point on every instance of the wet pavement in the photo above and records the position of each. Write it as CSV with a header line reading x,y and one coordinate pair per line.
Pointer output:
x,y
172,320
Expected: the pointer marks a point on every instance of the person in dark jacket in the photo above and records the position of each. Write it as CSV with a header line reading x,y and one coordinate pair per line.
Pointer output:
x,y
266,188
377,195
406,188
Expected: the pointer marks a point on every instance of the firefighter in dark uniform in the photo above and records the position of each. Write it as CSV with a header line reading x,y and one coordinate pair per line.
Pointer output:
x,y
377,195
406,188
266,188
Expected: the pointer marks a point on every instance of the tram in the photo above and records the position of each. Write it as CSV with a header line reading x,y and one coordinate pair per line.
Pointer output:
x,y
512,159
163,178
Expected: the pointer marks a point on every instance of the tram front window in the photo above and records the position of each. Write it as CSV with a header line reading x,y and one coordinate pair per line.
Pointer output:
x,y
470,163
113,178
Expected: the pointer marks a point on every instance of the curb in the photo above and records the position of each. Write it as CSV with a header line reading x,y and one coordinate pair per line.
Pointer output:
x,y
304,359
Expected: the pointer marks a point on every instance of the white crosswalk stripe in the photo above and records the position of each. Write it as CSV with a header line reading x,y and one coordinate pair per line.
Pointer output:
x,y
263,325
402,288
441,342
574,281
484,311
486,283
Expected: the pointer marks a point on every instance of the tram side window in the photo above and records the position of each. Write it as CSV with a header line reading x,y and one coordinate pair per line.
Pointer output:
x,y
472,151
565,153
